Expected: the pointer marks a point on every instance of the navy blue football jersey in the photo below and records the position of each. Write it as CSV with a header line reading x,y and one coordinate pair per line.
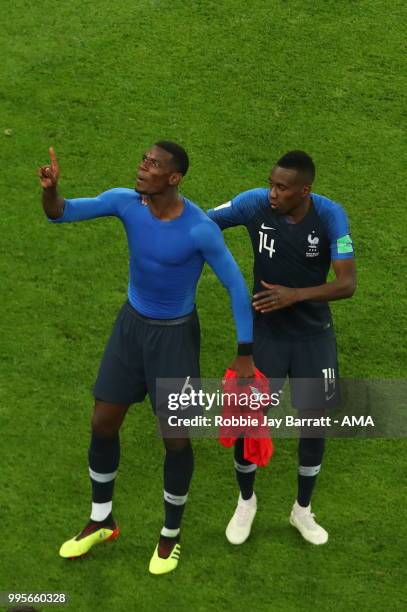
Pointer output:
x,y
290,254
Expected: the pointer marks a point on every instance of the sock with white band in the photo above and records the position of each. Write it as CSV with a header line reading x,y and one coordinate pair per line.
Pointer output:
x,y
104,457
178,469
310,453
245,471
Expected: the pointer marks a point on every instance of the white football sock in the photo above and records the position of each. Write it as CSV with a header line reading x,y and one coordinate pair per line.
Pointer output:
x,y
101,511
169,533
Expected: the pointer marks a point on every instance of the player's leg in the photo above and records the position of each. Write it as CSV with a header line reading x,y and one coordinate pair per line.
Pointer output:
x,y
239,526
104,456
302,516
178,469
245,471
271,358
175,361
119,383
310,455
314,390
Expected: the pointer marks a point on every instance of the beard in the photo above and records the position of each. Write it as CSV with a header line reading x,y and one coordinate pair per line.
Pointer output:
x,y
148,193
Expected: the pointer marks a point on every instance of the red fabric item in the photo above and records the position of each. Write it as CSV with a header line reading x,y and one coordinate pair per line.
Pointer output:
x,y
258,446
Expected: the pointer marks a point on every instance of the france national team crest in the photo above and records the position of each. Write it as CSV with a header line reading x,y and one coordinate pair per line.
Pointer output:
x,y
313,242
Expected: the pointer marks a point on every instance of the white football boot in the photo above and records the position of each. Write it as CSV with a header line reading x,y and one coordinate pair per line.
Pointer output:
x,y
304,520
240,524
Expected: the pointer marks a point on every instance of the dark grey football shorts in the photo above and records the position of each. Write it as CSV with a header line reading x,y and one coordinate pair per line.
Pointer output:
x,y
310,364
141,350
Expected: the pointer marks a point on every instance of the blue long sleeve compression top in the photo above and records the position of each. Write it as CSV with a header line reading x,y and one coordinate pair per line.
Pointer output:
x,y
167,257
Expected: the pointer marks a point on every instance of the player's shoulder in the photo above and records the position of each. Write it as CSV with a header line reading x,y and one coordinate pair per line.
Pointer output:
x,y
257,194
119,191
248,204
201,227
331,213
240,209
195,212
251,199
324,205
197,217
120,194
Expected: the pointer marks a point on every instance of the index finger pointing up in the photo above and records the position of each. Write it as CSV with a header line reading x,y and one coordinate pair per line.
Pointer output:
x,y
54,161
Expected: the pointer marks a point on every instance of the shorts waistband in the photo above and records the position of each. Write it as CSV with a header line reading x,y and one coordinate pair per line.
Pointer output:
x,y
288,336
162,322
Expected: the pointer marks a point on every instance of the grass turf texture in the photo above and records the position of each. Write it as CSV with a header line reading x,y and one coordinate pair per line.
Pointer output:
x,y
238,84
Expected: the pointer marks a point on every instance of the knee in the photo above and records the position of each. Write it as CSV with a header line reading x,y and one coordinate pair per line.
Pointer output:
x,y
105,423
176,444
103,427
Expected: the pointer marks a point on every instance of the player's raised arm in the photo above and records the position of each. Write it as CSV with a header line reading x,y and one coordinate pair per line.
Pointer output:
x,y
52,203
60,210
213,248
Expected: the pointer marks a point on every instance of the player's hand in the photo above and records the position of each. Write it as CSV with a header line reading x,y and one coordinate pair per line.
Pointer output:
x,y
244,368
274,297
49,175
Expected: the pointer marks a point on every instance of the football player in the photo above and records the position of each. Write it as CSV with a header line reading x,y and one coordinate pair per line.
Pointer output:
x,y
297,236
156,334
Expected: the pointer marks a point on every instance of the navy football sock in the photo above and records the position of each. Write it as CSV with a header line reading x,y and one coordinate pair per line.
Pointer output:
x,y
310,453
178,469
104,457
245,470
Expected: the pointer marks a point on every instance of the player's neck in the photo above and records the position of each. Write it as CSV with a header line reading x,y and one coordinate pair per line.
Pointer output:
x,y
165,206
296,215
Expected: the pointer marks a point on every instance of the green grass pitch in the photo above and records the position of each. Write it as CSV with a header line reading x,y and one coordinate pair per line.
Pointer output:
x,y
238,83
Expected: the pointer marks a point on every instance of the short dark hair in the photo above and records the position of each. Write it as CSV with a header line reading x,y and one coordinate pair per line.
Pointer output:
x,y
300,161
180,156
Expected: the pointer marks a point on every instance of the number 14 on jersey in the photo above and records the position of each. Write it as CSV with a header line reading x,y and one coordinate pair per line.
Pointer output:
x,y
263,244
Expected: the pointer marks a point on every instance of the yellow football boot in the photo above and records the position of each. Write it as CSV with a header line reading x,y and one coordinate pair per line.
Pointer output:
x,y
159,565
92,534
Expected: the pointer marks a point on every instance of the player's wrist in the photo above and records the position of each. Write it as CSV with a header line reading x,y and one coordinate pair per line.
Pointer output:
x,y
51,193
245,349
299,295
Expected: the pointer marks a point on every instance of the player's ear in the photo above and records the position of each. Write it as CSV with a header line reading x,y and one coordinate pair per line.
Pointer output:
x,y
306,190
175,179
